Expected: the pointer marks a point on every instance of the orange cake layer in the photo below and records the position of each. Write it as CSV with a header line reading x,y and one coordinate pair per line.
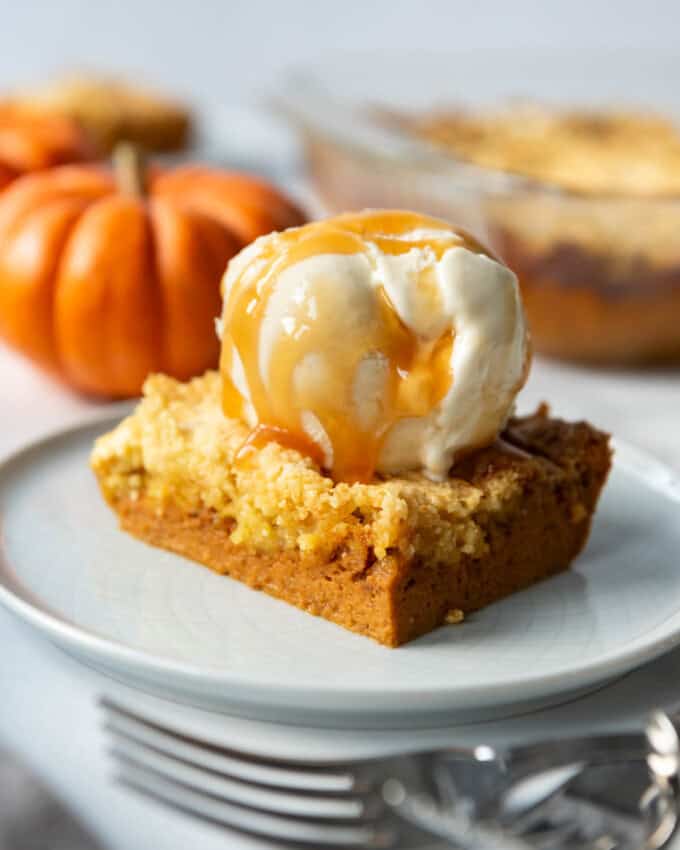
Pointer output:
x,y
391,559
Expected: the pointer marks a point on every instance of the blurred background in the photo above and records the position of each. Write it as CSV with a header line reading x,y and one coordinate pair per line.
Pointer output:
x,y
230,52
325,99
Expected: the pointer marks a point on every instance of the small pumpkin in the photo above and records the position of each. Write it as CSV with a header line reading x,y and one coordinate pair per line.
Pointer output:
x,y
31,141
107,275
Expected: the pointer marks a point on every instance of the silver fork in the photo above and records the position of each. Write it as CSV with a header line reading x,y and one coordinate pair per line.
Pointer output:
x,y
563,794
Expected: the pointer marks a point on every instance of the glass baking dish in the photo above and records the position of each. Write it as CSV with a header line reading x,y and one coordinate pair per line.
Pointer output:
x,y
600,274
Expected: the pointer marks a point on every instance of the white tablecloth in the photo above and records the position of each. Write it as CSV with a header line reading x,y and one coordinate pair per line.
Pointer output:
x,y
48,709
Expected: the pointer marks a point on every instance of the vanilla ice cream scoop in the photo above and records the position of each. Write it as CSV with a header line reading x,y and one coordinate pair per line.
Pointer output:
x,y
376,341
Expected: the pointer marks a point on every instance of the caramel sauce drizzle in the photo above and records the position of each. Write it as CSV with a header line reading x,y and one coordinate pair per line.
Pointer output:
x,y
263,434
322,340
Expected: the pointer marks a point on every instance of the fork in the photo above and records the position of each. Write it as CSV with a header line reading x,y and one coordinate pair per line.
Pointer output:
x,y
554,794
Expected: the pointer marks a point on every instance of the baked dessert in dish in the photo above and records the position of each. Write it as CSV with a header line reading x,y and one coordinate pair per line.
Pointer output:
x,y
355,455
112,110
588,229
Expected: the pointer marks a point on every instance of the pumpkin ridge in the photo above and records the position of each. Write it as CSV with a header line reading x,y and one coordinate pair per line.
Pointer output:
x,y
119,323
246,204
155,263
33,192
36,287
78,207
199,247
155,319
65,272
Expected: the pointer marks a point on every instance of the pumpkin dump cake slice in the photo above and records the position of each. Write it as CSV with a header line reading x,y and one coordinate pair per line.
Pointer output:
x,y
389,559
347,457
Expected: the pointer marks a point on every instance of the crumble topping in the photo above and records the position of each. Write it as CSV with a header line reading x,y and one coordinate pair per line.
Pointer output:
x,y
593,152
454,617
178,447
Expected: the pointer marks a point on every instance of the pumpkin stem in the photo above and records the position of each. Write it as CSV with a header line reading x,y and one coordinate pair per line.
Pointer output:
x,y
129,168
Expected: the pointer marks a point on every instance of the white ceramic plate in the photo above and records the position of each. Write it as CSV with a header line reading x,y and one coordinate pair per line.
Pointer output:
x,y
173,627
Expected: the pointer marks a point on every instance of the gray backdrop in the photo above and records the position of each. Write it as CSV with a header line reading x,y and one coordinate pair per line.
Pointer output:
x,y
228,51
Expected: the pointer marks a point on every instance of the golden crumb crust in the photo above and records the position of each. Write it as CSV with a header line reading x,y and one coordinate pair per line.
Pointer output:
x,y
590,152
391,559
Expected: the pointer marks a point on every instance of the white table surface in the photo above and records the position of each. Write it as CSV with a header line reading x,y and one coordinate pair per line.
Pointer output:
x,y
48,712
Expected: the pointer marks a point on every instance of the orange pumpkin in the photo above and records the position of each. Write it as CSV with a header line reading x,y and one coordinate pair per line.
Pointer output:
x,y
106,277
31,141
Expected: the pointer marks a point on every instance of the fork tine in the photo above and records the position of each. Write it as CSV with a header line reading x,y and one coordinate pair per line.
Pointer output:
x,y
262,779
283,829
256,796
287,773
